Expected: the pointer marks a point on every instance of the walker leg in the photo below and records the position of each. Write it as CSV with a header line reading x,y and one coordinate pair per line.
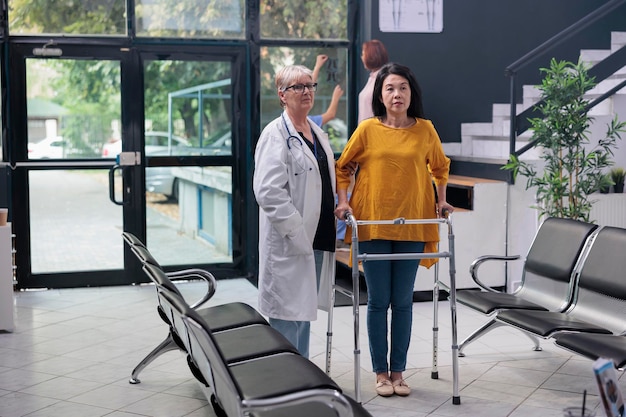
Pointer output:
x,y
434,374
357,349
329,329
456,399
355,312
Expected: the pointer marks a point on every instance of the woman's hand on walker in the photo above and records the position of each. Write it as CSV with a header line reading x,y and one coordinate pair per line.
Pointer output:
x,y
341,210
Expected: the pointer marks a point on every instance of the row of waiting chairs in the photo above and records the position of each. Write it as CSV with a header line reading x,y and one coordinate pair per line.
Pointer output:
x,y
573,290
245,366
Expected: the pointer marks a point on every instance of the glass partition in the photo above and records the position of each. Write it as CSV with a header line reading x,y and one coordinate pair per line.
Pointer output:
x,y
84,17
73,107
73,225
296,19
333,73
190,19
188,114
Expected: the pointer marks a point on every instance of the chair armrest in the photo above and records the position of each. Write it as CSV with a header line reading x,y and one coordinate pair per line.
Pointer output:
x,y
482,259
332,398
195,273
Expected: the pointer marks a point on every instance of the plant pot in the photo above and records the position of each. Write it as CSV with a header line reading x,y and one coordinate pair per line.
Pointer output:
x,y
619,188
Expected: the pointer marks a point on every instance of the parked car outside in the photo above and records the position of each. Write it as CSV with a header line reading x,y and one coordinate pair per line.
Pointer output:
x,y
155,142
49,148
160,179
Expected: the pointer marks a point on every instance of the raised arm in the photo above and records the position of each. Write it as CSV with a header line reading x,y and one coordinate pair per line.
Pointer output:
x,y
320,60
331,111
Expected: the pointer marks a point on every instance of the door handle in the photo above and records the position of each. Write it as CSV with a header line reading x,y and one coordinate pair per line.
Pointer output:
x,y
124,159
112,185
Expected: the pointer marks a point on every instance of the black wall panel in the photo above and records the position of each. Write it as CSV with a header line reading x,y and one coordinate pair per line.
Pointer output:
x,y
461,70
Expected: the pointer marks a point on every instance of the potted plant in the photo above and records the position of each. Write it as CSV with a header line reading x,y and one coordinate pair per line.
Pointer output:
x,y
617,175
572,167
605,183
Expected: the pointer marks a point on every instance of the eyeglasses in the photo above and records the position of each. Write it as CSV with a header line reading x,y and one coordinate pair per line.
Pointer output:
x,y
299,88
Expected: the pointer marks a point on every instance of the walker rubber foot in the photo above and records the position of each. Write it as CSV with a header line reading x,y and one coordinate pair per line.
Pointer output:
x,y
434,375
456,400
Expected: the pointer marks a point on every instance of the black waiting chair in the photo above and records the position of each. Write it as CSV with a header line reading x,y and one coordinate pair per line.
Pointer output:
x,y
599,300
223,317
547,278
284,384
594,346
241,340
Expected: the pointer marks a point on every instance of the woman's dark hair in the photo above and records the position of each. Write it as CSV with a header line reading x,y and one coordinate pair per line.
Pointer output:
x,y
416,109
374,54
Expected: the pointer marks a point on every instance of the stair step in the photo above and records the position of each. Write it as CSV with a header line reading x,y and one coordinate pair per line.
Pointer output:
x,y
593,56
504,110
618,40
486,144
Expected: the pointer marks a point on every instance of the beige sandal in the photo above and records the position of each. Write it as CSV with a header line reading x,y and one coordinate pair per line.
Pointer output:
x,y
384,388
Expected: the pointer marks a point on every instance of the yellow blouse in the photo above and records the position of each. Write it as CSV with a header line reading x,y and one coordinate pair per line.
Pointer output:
x,y
397,167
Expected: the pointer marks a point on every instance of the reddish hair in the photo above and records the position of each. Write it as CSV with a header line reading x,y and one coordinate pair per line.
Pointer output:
x,y
374,54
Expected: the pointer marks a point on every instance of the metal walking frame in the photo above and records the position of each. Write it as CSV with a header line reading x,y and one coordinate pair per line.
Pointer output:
x,y
354,296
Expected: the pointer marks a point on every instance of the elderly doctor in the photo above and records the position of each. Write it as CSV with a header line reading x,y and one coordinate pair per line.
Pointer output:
x,y
294,183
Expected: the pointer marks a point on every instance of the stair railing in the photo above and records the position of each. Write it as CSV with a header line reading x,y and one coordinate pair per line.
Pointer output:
x,y
601,71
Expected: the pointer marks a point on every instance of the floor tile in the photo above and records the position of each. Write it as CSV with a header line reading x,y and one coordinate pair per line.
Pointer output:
x,y
73,352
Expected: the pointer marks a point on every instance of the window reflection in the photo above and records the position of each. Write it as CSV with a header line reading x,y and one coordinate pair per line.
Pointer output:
x,y
28,17
192,100
63,122
173,18
297,19
332,73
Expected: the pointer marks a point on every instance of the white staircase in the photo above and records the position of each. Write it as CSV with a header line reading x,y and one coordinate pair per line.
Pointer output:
x,y
501,219
491,140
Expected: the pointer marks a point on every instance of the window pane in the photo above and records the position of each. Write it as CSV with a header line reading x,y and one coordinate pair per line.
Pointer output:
x,y
190,18
63,122
66,17
297,19
69,232
192,100
333,73
196,226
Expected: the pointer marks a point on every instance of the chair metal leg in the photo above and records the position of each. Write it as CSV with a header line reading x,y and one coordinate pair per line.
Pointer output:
x,y
165,346
490,325
536,342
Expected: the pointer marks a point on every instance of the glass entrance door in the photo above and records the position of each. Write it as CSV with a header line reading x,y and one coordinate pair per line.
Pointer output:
x,y
172,115
73,108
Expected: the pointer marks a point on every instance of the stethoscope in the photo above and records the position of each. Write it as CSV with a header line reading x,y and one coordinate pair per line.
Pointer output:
x,y
295,142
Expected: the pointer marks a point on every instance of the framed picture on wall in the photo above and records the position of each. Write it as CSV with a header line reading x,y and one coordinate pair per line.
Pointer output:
x,y
416,16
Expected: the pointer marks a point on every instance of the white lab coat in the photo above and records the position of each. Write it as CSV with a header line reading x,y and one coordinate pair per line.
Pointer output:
x,y
288,189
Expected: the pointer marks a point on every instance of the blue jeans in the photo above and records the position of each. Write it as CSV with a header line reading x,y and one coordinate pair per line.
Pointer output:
x,y
390,283
299,332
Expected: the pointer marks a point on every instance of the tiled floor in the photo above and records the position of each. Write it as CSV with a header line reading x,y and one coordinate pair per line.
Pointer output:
x,y
72,352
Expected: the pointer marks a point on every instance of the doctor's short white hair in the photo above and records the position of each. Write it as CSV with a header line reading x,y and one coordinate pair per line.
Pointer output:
x,y
286,76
